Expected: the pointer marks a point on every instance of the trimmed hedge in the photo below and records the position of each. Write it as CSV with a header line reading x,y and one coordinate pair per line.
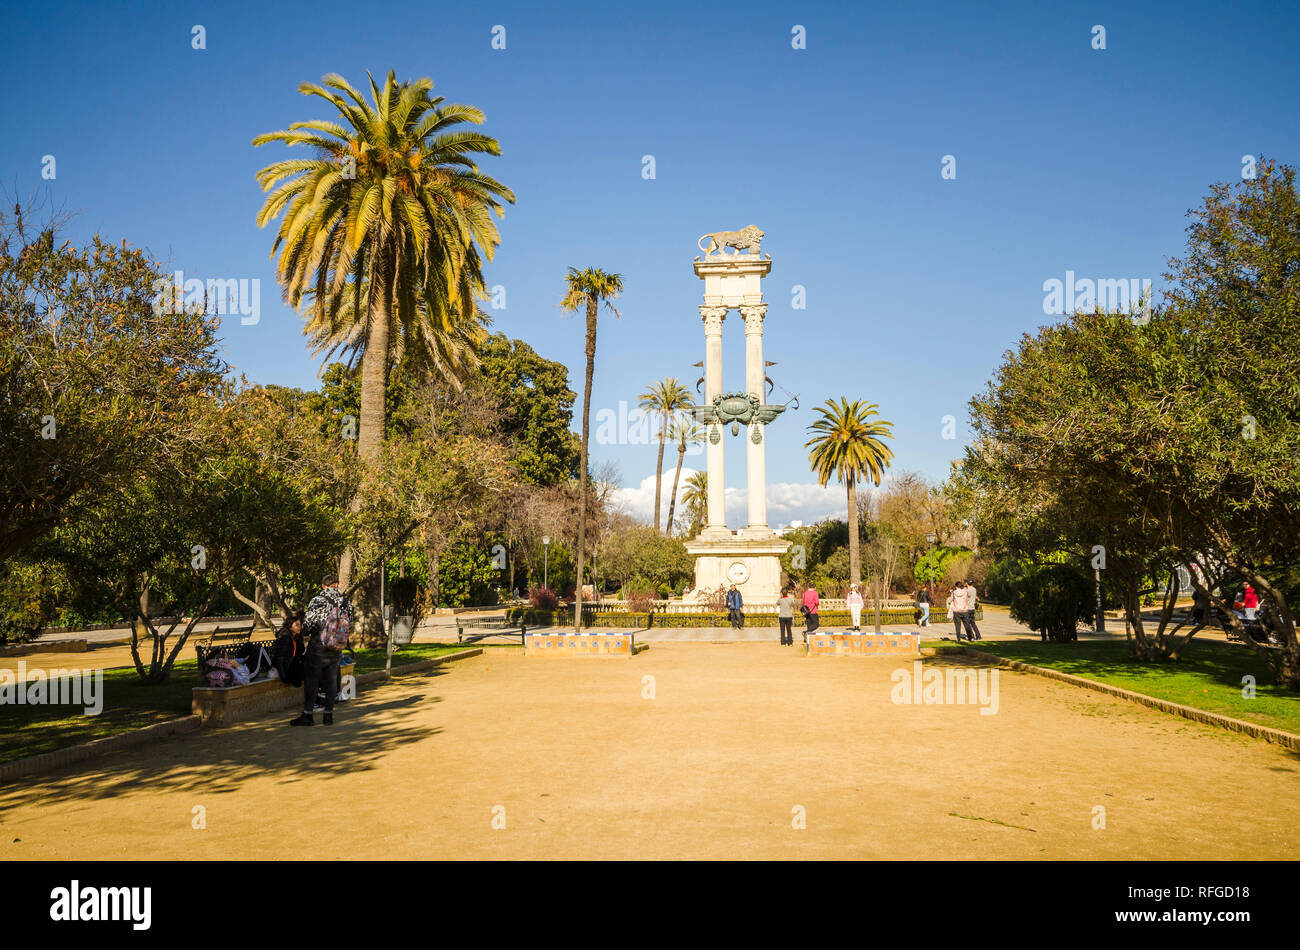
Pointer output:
x,y
533,617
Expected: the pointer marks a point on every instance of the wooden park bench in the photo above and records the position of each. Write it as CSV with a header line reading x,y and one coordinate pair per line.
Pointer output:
x,y
472,630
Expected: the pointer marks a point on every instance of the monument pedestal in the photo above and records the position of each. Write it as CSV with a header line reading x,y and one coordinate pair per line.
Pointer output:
x,y
752,564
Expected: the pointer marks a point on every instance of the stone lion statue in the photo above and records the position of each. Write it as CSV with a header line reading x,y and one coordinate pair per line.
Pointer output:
x,y
749,238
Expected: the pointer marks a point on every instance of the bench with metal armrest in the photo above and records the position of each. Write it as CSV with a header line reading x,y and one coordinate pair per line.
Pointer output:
x,y
472,630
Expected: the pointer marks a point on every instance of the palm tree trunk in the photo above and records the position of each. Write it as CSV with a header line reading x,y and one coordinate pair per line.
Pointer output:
x,y
672,502
374,391
374,373
582,462
855,560
659,466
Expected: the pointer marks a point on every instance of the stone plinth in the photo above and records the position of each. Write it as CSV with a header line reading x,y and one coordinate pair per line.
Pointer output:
x,y
758,578
731,280
864,644
579,644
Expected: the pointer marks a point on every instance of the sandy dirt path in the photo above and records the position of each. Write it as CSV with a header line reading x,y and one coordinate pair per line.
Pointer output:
x,y
738,740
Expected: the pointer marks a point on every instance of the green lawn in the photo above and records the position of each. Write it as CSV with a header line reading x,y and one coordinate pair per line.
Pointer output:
x,y
1208,677
130,704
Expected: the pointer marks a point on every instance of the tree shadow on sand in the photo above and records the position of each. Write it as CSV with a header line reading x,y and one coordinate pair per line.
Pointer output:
x,y
220,760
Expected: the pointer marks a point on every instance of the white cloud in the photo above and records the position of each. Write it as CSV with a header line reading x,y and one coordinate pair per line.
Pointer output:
x,y
786,501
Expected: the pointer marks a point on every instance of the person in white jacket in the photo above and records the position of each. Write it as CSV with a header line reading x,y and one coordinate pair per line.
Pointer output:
x,y
963,611
956,603
854,601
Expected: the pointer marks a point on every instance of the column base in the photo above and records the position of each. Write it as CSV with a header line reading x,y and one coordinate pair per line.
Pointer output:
x,y
752,563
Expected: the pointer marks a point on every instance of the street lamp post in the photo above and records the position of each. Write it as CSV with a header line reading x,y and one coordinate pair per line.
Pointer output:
x,y
546,558
1100,626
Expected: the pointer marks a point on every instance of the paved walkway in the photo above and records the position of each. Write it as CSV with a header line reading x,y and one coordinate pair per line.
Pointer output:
x,y
109,646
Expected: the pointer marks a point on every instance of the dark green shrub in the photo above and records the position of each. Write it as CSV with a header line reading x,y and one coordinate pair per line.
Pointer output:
x,y
27,600
1053,599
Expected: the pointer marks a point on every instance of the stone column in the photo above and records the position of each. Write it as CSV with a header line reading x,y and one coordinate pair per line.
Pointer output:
x,y
755,445
717,509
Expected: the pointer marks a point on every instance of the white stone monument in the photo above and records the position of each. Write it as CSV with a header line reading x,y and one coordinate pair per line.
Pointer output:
x,y
749,558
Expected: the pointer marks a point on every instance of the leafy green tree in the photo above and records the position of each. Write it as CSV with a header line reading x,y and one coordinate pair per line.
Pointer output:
x,y
1063,436
281,428
98,381
30,594
941,561
1148,441
640,553
1235,307
189,529
813,554
533,397
847,445
467,577
587,290
665,397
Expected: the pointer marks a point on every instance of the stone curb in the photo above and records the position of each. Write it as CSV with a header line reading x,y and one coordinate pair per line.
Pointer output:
x,y
50,646
1287,740
49,761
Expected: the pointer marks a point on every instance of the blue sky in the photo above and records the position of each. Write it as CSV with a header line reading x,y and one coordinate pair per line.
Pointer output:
x,y
1067,158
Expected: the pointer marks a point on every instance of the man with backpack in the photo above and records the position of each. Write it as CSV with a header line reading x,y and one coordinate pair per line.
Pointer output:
x,y
328,623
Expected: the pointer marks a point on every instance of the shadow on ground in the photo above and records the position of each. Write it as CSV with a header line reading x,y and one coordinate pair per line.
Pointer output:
x,y
221,759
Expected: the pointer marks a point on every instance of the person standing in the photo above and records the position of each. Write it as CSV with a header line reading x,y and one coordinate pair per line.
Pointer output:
x,y
854,601
956,604
1200,605
810,602
923,605
734,603
785,617
968,615
328,622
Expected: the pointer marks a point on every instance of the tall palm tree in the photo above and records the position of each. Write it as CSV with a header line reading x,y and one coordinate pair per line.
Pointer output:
x,y
587,289
684,432
664,397
382,231
696,501
848,446
381,236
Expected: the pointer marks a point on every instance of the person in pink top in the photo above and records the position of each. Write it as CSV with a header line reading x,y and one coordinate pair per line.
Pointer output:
x,y
810,602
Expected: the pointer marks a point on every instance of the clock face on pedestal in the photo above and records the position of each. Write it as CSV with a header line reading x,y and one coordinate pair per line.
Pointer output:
x,y
738,572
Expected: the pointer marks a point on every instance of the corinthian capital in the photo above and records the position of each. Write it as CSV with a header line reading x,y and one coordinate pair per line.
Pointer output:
x,y
713,317
753,314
